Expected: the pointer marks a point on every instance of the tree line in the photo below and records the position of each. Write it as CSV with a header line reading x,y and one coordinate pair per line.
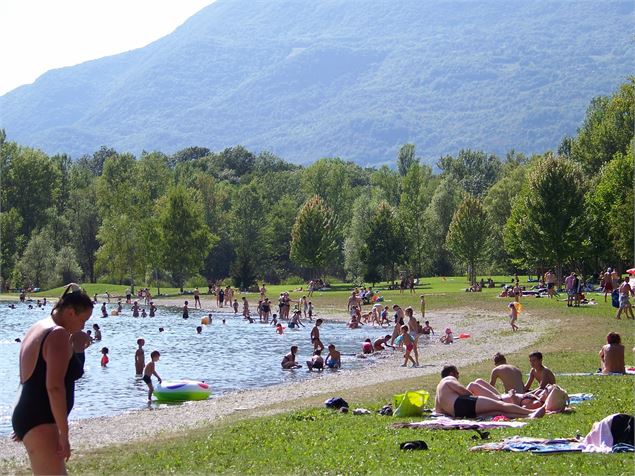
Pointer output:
x,y
204,215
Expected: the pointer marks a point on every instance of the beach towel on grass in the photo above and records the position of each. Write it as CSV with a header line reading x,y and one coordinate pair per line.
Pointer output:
x,y
629,371
535,445
576,398
446,423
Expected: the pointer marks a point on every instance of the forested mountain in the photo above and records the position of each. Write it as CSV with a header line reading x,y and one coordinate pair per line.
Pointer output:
x,y
354,79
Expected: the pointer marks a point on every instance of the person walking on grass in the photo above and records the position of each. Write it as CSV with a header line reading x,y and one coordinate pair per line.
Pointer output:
x,y
625,291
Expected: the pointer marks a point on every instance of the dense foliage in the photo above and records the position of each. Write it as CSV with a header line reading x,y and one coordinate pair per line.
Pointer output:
x,y
284,76
200,215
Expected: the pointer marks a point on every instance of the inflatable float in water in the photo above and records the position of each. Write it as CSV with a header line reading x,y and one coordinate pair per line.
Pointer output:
x,y
182,390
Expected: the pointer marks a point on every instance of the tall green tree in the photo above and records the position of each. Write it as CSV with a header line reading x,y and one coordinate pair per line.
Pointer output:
x,y
246,230
185,238
417,190
313,237
406,158
475,171
38,261
608,128
547,224
384,249
67,269
12,242
437,218
468,237
610,204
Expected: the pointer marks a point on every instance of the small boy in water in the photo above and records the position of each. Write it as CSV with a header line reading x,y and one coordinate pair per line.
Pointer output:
x,y
409,343
104,356
315,336
149,371
186,311
199,329
139,357
310,311
334,358
235,306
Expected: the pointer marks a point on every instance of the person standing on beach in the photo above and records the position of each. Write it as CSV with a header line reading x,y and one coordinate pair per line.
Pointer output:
x,y
48,371
197,299
422,300
513,316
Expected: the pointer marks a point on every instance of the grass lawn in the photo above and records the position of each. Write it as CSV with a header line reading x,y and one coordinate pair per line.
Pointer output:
x,y
312,440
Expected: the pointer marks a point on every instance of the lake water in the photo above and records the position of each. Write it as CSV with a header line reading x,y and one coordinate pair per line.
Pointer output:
x,y
234,356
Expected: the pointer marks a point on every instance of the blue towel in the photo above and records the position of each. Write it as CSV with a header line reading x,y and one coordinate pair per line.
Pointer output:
x,y
576,398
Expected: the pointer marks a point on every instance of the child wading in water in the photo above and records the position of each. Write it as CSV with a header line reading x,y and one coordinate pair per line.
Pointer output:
x,y
408,342
139,357
104,357
149,371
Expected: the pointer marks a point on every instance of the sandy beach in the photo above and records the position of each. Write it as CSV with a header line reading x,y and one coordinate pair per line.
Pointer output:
x,y
489,334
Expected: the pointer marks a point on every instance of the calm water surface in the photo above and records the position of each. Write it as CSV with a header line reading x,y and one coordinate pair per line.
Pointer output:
x,y
234,356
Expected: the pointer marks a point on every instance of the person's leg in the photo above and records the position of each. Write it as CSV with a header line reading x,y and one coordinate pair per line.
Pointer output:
x,y
41,445
489,407
481,388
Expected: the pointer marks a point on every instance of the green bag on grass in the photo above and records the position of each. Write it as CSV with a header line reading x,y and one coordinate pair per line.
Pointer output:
x,y
410,403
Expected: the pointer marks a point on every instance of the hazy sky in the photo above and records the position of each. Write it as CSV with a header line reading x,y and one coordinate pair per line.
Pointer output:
x,y
38,35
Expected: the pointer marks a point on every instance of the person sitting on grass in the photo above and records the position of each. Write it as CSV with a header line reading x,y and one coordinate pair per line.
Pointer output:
x,y
288,361
539,372
454,400
510,375
612,355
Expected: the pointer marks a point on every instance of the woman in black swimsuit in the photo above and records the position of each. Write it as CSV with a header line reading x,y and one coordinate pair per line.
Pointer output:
x,y
48,370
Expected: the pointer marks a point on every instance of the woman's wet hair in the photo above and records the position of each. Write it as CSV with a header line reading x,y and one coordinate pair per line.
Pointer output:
x,y
74,297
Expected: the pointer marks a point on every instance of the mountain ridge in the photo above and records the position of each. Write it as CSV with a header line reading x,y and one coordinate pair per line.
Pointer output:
x,y
352,79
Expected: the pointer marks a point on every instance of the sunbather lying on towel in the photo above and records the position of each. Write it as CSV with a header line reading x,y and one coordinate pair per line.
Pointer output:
x,y
453,399
553,398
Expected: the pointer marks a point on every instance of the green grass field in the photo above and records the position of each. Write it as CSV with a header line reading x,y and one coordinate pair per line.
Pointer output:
x,y
312,440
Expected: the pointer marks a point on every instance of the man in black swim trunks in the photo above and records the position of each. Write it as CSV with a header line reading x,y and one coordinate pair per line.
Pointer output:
x,y
454,400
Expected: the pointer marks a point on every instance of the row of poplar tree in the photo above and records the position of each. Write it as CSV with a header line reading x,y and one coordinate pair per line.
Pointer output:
x,y
202,215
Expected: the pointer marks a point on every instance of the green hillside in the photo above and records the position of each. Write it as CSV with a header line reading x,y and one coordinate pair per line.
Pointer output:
x,y
354,79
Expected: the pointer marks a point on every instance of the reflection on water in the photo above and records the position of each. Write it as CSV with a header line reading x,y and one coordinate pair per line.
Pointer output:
x,y
237,355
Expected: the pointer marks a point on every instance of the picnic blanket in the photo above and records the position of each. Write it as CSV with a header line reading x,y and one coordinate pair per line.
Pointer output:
x,y
547,446
446,423
576,398
535,445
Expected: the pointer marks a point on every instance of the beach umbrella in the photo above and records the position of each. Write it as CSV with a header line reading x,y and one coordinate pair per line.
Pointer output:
x,y
631,271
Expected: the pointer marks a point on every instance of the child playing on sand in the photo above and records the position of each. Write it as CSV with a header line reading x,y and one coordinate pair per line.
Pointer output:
x,y
513,316
316,362
408,342
139,357
149,371
334,358
448,338
104,356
